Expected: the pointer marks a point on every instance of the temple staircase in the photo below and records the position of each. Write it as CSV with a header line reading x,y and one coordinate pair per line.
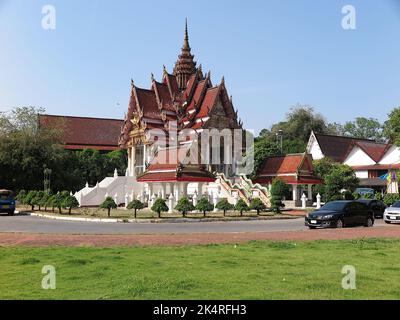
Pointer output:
x,y
121,188
242,188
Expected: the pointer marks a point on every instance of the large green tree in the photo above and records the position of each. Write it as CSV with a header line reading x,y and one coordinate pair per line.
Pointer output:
x,y
295,130
342,177
392,126
337,177
365,128
299,123
262,149
26,150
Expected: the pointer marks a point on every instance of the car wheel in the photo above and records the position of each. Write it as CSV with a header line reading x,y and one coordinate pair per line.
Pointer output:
x,y
388,222
11,213
369,223
339,224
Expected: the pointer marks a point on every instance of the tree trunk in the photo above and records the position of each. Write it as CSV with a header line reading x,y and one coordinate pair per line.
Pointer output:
x,y
33,208
241,213
108,213
39,208
59,210
204,214
135,213
224,213
69,210
159,214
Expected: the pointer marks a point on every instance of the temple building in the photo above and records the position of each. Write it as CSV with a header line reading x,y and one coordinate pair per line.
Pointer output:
x,y
78,133
181,103
294,169
371,160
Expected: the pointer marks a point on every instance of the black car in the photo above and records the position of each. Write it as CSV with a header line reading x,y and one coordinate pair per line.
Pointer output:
x,y
338,214
377,206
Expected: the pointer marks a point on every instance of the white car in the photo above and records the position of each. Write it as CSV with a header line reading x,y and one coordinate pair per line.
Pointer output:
x,y
392,213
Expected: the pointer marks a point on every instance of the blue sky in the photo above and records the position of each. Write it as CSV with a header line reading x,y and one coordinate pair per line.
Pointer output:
x,y
273,54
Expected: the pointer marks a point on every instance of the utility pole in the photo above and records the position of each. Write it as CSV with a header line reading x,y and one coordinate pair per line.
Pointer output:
x,y
279,136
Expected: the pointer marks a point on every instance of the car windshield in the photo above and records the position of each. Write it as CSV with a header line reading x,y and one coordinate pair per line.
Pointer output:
x,y
396,204
334,205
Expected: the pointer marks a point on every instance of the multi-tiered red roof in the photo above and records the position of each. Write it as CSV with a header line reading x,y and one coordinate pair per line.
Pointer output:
x,y
186,96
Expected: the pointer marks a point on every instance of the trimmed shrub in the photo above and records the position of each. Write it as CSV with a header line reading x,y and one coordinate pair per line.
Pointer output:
x,y
257,204
57,201
21,196
356,195
108,204
51,202
44,200
37,199
184,205
135,205
241,206
278,189
391,198
368,196
70,202
159,206
29,199
204,205
379,196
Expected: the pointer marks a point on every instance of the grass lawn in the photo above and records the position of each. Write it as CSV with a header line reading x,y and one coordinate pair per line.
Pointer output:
x,y
255,270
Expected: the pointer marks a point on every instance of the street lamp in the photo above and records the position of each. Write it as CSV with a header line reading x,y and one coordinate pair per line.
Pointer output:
x,y
279,136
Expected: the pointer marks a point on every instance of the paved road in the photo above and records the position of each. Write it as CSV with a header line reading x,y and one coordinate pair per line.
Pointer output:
x,y
28,224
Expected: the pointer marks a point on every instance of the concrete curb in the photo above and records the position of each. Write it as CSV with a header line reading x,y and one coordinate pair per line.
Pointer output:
x,y
164,220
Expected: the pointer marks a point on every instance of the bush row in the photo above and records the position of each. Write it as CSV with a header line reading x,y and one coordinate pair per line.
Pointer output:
x,y
41,199
184,206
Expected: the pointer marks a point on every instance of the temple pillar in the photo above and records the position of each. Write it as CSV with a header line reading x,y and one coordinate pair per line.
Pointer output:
x,y
294,191
144,157
171,188
177,191
132,167
149,189
184,189
163,190
129,161
309,192
200,189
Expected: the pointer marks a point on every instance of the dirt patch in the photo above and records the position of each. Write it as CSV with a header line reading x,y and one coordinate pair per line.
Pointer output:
x,y
23,239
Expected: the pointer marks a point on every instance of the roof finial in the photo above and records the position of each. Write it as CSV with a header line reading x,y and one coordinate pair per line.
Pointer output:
x,y
152,77
186,39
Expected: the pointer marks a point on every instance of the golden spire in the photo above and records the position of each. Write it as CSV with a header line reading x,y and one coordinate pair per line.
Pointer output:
x,y
185,66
